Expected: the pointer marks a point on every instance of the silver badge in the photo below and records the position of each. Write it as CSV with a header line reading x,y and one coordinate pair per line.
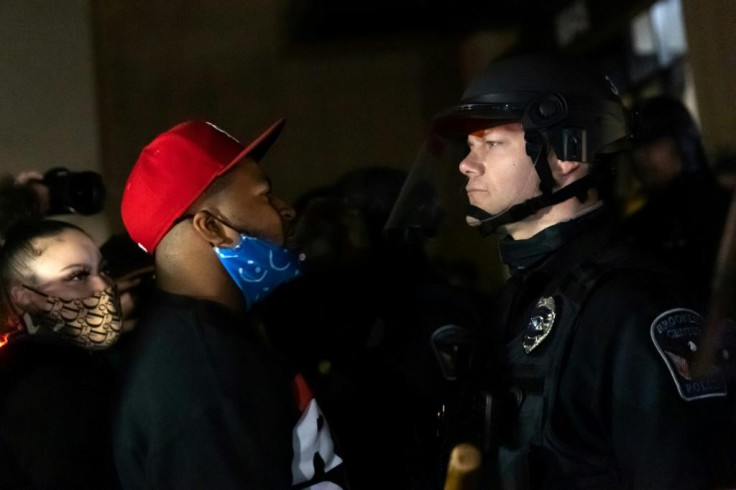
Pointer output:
x,y
540,324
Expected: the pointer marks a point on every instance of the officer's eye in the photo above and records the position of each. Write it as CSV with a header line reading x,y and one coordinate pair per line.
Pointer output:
x,y
492,143
472,144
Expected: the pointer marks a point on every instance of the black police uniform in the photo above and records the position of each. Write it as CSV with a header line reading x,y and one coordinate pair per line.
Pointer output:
x,y
592,377
595,402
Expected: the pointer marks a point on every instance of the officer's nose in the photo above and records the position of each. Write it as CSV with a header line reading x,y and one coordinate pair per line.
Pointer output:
x,y
470,165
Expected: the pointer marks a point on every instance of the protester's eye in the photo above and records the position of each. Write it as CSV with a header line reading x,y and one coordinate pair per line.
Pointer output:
x,y
78,275
492,143
265,192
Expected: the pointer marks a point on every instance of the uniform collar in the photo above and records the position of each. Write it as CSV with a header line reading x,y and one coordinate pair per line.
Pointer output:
x,y
524,255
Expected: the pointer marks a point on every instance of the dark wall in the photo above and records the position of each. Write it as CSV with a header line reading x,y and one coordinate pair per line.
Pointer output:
x,y
349,104
231,62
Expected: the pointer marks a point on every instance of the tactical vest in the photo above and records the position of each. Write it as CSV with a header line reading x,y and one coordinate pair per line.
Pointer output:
x,y
521,409
506,403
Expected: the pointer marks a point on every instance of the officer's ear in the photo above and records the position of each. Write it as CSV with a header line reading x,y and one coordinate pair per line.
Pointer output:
x,y
565,171
565,167
209,229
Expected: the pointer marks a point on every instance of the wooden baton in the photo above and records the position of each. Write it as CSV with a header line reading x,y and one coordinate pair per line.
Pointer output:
x,y
463,467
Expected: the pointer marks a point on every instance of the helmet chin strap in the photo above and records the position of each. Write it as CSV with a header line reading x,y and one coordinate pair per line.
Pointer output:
x,y
537,148
490,222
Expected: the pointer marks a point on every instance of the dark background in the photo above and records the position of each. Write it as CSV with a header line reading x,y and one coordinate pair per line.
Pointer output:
x,y
87,83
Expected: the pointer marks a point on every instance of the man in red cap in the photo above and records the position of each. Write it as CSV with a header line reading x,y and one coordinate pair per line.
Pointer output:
x,y
203,403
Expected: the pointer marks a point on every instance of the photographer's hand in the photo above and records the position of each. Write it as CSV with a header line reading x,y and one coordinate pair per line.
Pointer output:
x,y
34,180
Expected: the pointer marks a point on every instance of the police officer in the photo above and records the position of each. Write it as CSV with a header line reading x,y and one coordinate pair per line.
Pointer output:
x,y
685,207
591,375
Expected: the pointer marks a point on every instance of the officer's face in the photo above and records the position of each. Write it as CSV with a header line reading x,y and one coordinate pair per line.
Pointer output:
x,y
500,173
657,163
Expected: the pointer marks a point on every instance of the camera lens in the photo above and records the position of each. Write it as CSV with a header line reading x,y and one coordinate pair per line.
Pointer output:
x,y
74,192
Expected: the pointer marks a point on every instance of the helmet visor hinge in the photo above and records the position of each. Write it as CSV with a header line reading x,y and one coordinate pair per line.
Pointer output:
x,y
537,149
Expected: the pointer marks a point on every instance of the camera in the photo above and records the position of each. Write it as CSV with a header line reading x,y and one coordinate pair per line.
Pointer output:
x,y
74,192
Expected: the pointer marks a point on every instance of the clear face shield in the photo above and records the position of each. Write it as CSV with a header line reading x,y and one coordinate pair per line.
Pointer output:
x,y
517,180
435,202
433,199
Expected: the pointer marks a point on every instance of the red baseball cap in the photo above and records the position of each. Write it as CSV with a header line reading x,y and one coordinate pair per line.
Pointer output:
x,y
174,170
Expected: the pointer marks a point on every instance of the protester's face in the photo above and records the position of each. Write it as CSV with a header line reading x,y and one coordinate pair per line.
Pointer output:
x,y
249,204
69,266
500,173
657,163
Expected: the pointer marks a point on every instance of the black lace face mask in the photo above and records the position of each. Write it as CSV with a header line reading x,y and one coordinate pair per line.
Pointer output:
x,y
93,323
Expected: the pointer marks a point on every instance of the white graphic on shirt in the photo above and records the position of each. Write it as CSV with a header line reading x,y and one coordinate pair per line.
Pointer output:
x,y
311,436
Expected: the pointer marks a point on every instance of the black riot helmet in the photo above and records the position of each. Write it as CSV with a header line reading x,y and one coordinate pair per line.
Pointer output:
x,y
663,116
562,105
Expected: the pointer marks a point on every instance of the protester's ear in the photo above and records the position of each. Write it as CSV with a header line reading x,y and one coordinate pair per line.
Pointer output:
x,y
21,299
210,229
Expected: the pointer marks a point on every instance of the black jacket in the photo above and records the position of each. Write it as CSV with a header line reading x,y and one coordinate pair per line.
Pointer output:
x,y
54,416
683,225
204,404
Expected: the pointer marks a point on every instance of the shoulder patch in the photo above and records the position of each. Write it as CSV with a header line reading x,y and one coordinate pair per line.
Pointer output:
x,y
676,334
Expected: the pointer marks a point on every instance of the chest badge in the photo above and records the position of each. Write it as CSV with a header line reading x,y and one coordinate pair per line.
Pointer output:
x,y
540,324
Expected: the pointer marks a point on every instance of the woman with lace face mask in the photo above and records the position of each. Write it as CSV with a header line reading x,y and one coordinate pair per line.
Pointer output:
x,y
60,315
55,282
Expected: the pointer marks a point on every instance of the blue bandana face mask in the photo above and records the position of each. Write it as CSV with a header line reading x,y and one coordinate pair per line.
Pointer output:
x,y
258,266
